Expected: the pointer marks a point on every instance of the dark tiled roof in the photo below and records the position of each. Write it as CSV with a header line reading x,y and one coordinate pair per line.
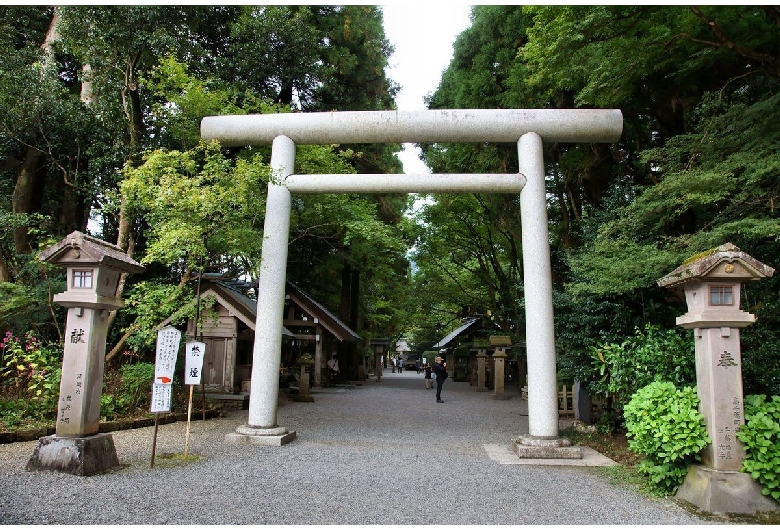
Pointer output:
x,y
467,325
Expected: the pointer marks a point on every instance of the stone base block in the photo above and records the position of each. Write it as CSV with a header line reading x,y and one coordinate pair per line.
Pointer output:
x,y
723,492
482,389
246,435
85,456
528,446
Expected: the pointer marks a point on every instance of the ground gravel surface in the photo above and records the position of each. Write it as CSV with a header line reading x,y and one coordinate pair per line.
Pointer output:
x,y
370,453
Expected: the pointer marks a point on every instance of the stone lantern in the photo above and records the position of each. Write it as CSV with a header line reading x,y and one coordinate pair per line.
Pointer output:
x,y
712,283
93,268
305,361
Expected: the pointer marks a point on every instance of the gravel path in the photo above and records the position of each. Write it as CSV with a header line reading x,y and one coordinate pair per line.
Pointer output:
x,y
375,453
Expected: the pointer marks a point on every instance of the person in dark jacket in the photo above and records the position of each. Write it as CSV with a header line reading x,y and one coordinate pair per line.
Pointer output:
x,y
440,369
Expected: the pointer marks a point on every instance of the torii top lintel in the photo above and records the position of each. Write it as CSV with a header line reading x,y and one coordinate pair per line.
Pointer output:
x,y
423,126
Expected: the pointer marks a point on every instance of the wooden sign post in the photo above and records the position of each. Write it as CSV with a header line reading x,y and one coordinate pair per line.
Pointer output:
x,y
168,340
195,352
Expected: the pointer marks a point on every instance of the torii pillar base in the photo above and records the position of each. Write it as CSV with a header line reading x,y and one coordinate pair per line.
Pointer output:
x,y
723,492
527,446
246,435
84,456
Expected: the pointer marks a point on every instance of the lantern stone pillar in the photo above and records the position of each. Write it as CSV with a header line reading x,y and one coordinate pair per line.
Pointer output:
x,y
712,282
481,359
378,359
449,361
499,343
499,363
93,270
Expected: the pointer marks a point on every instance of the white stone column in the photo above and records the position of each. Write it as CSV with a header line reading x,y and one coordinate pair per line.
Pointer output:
x,y
537,277
266,357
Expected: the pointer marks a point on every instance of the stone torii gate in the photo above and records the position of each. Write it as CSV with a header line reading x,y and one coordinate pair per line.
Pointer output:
x,y
529,128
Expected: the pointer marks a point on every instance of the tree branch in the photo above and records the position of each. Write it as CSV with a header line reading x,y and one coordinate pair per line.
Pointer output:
x,y
724,42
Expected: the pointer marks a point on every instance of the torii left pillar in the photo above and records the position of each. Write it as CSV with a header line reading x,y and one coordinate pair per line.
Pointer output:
x,y
261,428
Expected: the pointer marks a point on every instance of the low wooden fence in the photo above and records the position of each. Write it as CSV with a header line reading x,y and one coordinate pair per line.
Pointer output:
x,y
565,400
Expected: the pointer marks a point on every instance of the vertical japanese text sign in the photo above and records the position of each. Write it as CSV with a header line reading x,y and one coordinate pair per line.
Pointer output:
x,y
168,340
194,362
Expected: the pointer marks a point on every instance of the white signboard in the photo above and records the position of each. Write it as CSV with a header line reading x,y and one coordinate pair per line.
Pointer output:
x,y
194,362
161,398
168,340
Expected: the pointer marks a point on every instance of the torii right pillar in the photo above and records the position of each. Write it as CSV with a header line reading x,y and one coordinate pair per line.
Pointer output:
x,y
712,282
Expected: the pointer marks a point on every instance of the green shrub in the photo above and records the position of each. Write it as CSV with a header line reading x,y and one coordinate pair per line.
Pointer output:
x,y
130,393
665,427
761,436
137,382
29,379
619,370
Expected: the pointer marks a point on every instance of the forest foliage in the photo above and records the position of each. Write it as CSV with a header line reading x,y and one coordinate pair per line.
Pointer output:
x,y
99,130
697,165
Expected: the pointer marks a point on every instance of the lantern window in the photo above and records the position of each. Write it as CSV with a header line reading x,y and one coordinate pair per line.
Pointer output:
x,y
721,295
82,279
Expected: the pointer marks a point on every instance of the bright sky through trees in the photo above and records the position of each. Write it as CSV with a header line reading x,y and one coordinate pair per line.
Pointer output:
x,y
423,35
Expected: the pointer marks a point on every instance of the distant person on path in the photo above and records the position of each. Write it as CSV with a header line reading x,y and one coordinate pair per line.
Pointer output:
x,y
333,367
440,369
428,380
400,365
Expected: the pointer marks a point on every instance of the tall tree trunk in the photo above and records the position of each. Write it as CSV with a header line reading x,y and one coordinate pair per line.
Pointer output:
x,y
27,180
5,271
131,102
346,285
23,197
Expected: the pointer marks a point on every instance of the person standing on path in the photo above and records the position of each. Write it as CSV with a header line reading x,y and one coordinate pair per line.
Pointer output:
x,y
440,369
428,380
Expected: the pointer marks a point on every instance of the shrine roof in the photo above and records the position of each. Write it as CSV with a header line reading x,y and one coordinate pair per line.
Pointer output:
x,y
241,297
467,324
327,319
